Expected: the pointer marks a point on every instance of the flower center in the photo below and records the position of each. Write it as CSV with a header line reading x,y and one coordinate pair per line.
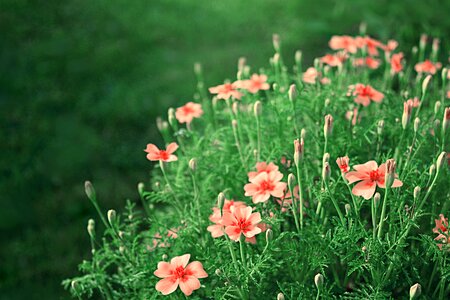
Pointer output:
x,y
188,110
375,175
179,272
163,154
243,224
266,186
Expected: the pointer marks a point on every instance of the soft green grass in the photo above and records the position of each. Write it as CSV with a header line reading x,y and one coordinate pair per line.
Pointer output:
x,y
82,82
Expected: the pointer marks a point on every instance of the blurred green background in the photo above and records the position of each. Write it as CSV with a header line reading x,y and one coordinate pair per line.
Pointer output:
x,y
81,85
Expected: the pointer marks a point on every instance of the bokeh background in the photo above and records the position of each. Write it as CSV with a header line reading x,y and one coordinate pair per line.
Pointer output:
x,y
82,82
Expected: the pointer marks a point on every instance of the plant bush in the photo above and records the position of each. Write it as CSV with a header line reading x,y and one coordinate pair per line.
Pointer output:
x,y
319,183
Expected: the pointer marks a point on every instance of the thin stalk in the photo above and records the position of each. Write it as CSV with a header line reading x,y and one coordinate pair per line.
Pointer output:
x,y
242,251
177,201
294,209
383,213
300,193
374,218
341,216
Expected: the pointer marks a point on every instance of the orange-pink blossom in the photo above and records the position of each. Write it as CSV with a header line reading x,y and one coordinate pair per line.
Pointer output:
x,y
226,90
178,272
396,63
263,167
255,83
264,185
241,221
365,93
428,67
189,111
441,228
343,42
155,154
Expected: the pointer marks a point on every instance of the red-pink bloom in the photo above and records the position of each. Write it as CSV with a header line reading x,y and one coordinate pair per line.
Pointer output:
x,y
442,230
390,46
255,83
333,60
241,220
414,102
179,273
427,67
353,115
217,230
263,167
369,62
226,90
365,93
342,162
310,75
188,112
344,42
155,154
262,186
371,44
369,175
396,63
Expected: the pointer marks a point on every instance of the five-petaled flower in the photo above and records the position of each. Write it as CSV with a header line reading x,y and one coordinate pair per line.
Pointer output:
x,y
264,185
178,272
217,230
365,93
241,221
255,83
442,231
369,175
155,154
263,167
226,90
428,67
343,42
396,63
189,111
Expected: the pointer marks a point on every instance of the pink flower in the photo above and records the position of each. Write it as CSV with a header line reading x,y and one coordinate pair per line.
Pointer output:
x,y
414,102
442,230
344,42
155,154
390,46
241,220
370,176
188,112
263,167
342,162
262,186
310,75
217,230
365,93
427,67
396,63
226,90
332,60
371,44
179,273
255,83
370,62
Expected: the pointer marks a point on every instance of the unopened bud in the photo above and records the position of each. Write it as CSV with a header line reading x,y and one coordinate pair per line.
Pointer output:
x,y
416,192
364,249
235,108
390,173
141,188
241,63
437,125
257,109
234,124
327,102
425,83
220,200
303,133
414,50
328,126
380,127
298,150
326,158
326,172
435,46
91,228
74,285
280,296
164,257
376,199
218,272
406,117
276,42
292,93
437,107
121,234
363,28
161,124
416,124
276,59
193,164
432,170
423,41
298,57
318,280
111,216
198,69
446,120
90,191
269,236
440,160
348,209
415,291
291,181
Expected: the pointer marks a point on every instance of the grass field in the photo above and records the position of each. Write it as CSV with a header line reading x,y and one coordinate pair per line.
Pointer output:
x,y
83,81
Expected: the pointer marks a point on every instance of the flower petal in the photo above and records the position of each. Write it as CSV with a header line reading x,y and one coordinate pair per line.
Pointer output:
x,y
167,285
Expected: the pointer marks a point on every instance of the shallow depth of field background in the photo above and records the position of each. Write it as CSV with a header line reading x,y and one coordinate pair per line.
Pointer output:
x,y
81,85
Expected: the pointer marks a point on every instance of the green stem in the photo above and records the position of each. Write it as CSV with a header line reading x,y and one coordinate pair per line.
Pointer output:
x,y
383,213
300,193
294,209
341,216
177,201
242,251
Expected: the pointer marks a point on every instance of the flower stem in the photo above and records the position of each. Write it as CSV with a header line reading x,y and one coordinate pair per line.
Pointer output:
x,y
242,251
177,201
294,208
300,193
341,216
383,213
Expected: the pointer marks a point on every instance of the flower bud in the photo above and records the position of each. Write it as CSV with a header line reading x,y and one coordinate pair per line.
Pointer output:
x,y
416,124
276,42
437,125
269,236
218,272
423,41
327,102
291,181
298,58
348,209
111,216
214,102
416,192
90,191
414,50
91,228
390,173
326,158
171,118
164,257
440,160
276,59
446,120
292,93
74,285
298,150
141,188
161,124
193,164
376,199
303,133
406,117
280,296
234,124
198,69
318,280
432,170
326,172
363,28
437,107
435,47
241,63
425,83
444,74
380,127
220,200
257,109
328,126
415,291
